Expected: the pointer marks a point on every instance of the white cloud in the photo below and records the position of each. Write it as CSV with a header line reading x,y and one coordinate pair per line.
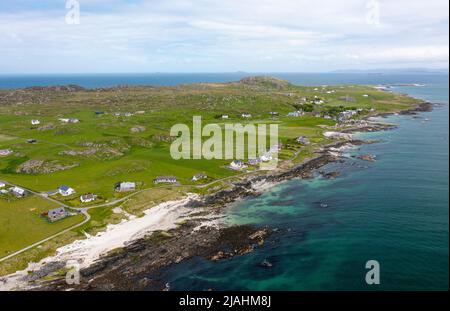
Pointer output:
x,y
200,35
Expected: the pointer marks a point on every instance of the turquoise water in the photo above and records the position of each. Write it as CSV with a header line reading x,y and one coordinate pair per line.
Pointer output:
x,y
394,210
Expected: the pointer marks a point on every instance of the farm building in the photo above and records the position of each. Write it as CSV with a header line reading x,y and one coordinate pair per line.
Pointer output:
x,y
35,122
2,184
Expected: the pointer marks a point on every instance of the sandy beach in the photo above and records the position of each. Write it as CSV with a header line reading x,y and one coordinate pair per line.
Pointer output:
x,y
161,217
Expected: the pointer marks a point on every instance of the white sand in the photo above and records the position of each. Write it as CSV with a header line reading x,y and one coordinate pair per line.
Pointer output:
x,y
161,217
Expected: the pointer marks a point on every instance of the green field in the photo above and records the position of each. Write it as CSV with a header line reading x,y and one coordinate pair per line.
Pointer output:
x,y
103,149
22,225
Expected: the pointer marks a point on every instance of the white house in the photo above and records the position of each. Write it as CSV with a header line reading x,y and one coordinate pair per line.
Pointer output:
x,y
35,122
303,140
246,115
199,176
65,191
5,152
224,116
2,184
17,191
89,197
295,113
126,186
67,120
253,161
237,165
266,157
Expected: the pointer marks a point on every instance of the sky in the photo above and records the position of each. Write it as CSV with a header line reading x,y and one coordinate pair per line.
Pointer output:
x,y
114,36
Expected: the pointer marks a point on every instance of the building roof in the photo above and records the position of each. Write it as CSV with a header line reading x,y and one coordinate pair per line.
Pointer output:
x,y
64,188
56,211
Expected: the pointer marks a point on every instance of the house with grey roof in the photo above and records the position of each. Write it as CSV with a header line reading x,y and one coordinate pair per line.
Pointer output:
x,y
56,214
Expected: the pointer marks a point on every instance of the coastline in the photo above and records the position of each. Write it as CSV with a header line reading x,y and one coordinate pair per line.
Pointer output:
x,y
202,225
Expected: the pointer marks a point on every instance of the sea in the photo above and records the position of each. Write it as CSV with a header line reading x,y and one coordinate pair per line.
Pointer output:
x,y
394,211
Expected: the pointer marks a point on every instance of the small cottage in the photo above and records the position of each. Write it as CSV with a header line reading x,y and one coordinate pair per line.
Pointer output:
x,y
35,122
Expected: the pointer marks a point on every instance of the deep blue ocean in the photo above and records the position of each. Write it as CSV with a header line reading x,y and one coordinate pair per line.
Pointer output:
x,y
394,210
158,79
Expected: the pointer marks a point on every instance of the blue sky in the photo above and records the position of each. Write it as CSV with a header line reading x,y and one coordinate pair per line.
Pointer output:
x,y
223,36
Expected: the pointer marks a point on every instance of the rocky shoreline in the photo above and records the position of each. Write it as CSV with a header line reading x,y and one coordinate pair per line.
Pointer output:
x,y
129,268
